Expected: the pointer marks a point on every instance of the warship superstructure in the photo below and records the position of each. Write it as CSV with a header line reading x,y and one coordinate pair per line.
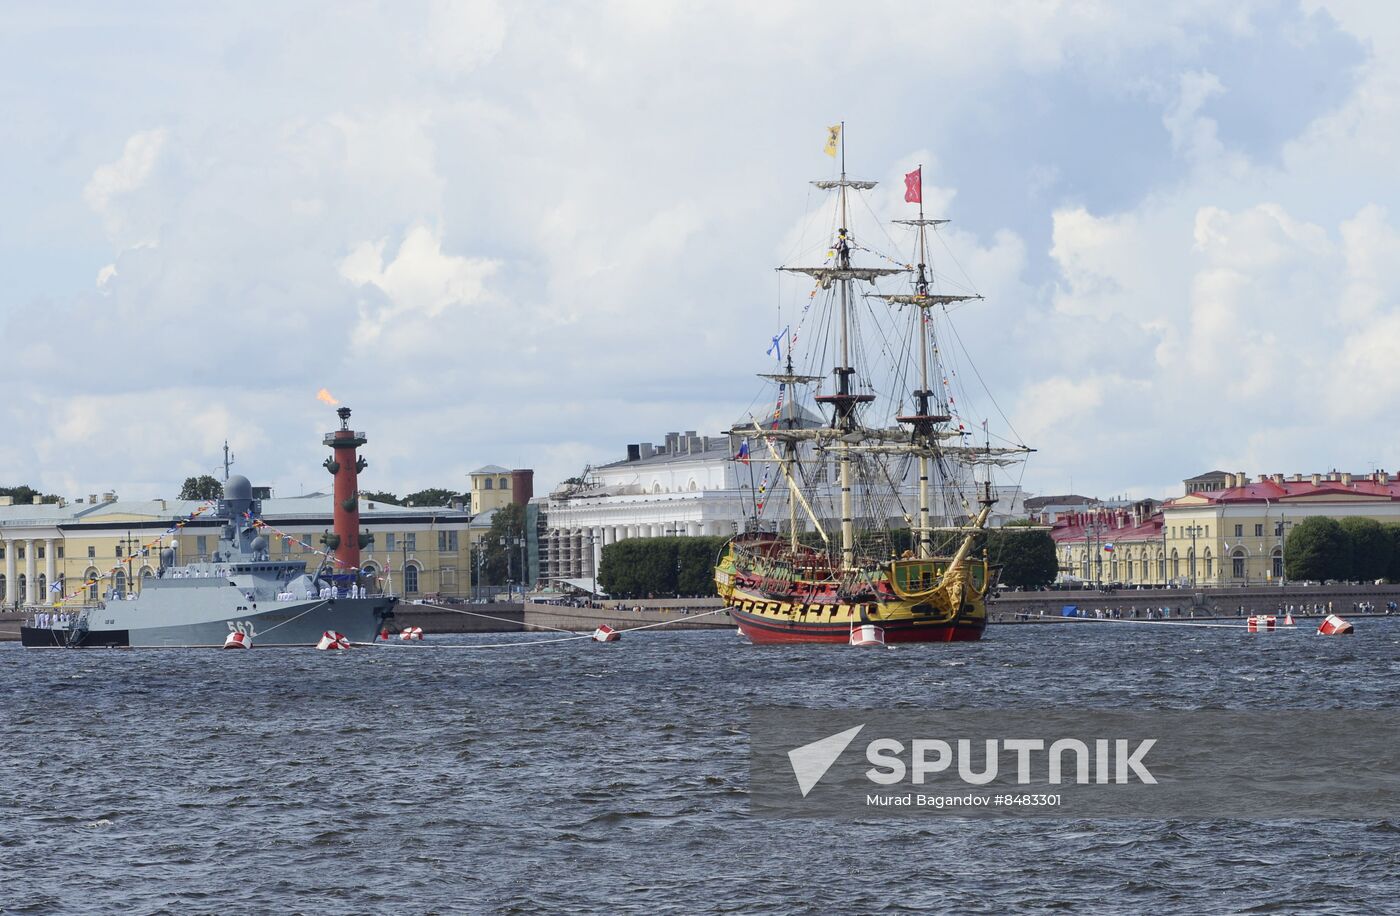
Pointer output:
x,y
239,588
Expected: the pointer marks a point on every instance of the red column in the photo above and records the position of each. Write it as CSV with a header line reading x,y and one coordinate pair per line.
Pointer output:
x,y
345,464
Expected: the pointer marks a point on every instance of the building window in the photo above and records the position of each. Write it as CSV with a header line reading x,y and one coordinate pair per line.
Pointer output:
x,y
43,587
20,554
1278,564
40,554
23,589
389,540
489,483
504,484
1162,568
1210,565
447,542
92,552
447,578
410,579
119,583
3,583
410,542
59,548
2,551
1129,571
1176,565
1237,565
119,551
1259,531
201,545
1239,531
92,579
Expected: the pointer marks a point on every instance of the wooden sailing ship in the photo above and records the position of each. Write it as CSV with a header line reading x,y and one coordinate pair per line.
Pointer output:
x,y
872,583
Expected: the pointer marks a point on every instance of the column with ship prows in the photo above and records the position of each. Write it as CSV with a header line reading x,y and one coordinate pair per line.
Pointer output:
x,y
345,465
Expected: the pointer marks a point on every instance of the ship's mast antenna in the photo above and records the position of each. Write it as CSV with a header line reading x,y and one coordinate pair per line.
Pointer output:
x,y
228,460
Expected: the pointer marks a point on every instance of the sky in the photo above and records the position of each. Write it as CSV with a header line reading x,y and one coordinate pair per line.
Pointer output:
x,y
529,234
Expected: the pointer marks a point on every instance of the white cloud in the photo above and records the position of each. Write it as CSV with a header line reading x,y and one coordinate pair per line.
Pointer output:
x,y
418,285
491,206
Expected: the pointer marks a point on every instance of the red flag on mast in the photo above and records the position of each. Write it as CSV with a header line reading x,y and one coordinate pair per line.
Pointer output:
x,y
914,186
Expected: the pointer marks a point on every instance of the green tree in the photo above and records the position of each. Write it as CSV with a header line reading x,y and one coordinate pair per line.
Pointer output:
x,y
1316,549
380,496
24,495
1368,549
1027,557
201,487
1392,555
433,497
639,568
502,552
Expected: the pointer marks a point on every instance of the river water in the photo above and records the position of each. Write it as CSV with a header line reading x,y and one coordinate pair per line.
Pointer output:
x,y
579,777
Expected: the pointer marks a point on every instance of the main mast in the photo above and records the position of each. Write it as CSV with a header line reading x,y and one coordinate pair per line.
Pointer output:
x,y
844,402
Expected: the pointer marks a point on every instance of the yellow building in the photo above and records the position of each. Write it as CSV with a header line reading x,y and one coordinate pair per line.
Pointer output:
x,y
1234,534
417,550
491,488
1232,531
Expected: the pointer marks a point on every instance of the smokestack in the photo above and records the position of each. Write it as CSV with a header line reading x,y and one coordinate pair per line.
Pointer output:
x,y
345,465
522,486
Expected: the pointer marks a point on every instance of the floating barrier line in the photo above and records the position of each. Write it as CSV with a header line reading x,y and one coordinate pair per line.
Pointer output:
x,y
546,642
313,607
1171,623
497,619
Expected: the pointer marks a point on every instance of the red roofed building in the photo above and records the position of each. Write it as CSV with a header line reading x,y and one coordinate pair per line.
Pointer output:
x,y
1231,531
1234,535
1118,545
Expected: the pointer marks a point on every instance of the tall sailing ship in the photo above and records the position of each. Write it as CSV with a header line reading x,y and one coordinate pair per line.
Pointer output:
x,y
893,572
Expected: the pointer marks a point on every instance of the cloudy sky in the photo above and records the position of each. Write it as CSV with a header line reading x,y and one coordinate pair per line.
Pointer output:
x,y
529,234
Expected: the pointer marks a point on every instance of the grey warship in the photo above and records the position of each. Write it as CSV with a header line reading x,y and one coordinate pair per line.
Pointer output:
x,y
240,589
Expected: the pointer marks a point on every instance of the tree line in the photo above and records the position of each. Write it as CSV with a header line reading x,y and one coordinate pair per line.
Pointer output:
x,y
1351,549
684,566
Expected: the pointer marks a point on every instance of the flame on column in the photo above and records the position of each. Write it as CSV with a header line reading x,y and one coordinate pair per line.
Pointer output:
x,y
325,396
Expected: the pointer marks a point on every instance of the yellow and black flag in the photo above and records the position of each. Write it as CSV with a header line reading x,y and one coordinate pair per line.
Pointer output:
x,y
833,138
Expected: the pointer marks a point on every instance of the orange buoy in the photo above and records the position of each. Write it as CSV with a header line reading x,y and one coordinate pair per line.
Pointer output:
x,y
867,635
1332,625
238,641
606,633
1261,623
333,640
411,633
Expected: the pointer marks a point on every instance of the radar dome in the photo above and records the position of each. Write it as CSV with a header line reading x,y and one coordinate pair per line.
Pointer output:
x,y
238,487
260,544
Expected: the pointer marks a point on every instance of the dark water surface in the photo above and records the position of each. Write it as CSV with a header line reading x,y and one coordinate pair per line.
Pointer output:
x,y
613,778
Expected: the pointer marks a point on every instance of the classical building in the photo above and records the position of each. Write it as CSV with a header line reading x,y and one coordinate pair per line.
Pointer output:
x,y
1232,532
691,485
418,550
1112,545
493,487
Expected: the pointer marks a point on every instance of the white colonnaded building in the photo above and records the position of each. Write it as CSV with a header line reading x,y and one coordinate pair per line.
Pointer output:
x,y
691,486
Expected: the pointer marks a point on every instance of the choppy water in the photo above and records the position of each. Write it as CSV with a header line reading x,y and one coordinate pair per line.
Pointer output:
x,y
584,777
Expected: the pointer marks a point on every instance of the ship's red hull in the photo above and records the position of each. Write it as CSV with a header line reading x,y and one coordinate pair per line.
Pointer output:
x,y
769,632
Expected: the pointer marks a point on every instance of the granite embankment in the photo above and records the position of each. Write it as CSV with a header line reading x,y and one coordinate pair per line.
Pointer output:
x,y
1305,600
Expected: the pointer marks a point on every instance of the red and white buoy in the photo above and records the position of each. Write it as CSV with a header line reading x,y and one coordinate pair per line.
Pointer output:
x,y
1261,623
867,635
384,633
238,640
1288,619
333,640
1332,625
411,633
606,633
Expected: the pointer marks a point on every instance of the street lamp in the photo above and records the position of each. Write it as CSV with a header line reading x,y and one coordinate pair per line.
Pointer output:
x,y
1193,530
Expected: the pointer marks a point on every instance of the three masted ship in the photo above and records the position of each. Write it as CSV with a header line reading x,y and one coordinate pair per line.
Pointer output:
x,y
891,573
